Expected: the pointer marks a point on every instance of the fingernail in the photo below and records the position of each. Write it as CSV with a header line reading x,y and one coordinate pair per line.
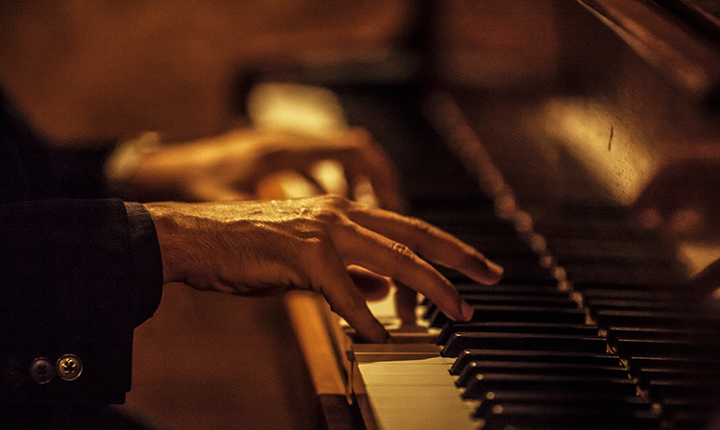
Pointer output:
x,y
495,268
467,311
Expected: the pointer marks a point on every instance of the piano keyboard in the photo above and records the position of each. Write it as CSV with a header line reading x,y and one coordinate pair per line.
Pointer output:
x,y
617,348
589,329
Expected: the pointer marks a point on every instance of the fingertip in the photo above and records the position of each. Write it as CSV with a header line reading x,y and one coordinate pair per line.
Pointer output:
x,y
466,311
495,269
378,336
369,329
483,270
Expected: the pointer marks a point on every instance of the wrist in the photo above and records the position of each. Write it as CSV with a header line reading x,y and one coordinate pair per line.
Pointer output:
x,y
170,241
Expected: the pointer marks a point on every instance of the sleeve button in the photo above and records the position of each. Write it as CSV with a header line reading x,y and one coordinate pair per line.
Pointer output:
x,y
69,367
41,370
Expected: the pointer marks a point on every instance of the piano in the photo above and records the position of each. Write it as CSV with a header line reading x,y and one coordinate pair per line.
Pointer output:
x,y
590,172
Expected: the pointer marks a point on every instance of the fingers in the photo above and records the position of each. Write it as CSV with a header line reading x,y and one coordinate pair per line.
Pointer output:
x,y
330,177
372,286
359,156
381,255
369,161
430,242
405,303
346,300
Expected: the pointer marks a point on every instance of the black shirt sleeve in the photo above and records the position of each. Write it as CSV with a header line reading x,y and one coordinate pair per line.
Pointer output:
x,y
77,277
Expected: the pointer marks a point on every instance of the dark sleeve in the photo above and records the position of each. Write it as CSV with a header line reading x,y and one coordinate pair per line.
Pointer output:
x,y
33,168
77,277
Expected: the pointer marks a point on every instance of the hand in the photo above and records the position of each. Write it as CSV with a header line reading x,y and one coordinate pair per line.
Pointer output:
x,y
325,244
232,166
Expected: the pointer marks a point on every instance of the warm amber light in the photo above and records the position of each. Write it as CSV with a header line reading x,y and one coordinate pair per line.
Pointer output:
x,y
598,140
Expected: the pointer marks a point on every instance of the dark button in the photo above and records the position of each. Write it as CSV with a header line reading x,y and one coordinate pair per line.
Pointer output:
x,y
41,370
69,367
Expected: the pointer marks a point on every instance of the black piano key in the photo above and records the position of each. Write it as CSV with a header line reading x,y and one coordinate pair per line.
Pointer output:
x,y
499,327
673,405
665,348
626,289
565,357
522,341
646,293
659,374
516,272
637,364
508,297
466,287
614,333
500,299
659,389
528,314
648,319
509,300
640,305
544,397
541,289
544,417
691,420
516,368
615,274
481,384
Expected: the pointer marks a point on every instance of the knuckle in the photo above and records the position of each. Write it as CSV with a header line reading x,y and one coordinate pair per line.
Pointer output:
x,y
316,247
330,216
420,226
333,209
337,201
354,300
402,252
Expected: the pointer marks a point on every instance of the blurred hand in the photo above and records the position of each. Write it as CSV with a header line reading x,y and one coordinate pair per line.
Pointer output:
x,y
706,282
236,166
680,199
326,244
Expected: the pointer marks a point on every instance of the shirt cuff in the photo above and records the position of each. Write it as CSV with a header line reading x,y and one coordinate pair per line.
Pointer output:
x,y
148,262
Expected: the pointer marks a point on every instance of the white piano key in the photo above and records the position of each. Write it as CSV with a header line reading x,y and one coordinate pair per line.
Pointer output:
x,y
418,394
